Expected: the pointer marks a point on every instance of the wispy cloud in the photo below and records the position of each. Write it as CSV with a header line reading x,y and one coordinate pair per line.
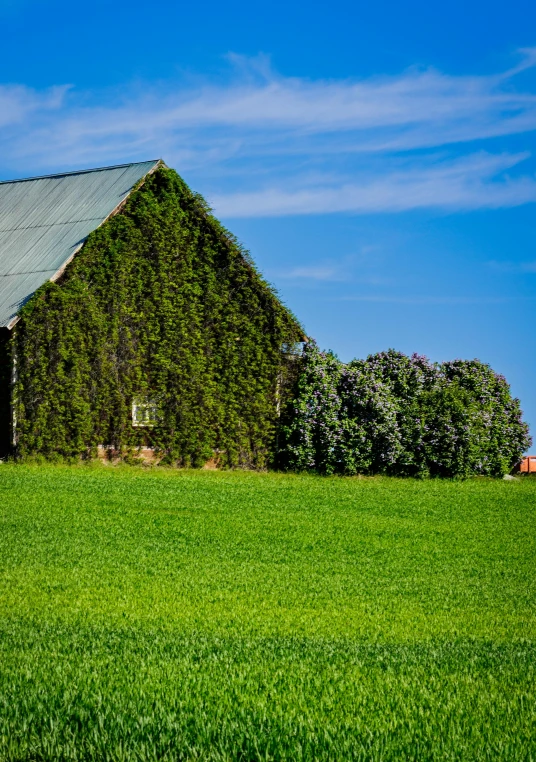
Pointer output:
x,y
19,105
432,300
260,143
314,273
467,183
513,267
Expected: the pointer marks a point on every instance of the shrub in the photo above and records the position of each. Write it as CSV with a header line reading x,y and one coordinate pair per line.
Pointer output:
x,y
486,425
311,435
401,415
408,380
341,420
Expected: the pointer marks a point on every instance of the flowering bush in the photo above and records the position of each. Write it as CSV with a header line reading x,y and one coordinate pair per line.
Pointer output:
x,y
342,419
476,423
408,380
311,431
371,435
401,415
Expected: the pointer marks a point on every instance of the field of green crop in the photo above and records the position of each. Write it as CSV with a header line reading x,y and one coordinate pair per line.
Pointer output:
x,y
173,615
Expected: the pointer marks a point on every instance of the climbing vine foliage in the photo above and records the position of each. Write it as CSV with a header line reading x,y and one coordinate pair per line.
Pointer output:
x,y
161,304
401,415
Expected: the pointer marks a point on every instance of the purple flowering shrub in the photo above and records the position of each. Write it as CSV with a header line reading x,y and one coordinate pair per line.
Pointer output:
x,y
341,420
311,427
370,432
400,415
409,380
479,419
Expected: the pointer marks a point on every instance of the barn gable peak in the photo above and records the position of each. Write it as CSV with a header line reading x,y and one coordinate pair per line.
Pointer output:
x,y
44,222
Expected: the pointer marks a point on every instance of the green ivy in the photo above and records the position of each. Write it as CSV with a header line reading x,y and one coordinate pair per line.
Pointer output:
x,y
162,302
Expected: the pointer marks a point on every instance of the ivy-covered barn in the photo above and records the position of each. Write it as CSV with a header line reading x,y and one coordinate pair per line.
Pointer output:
x,y
130,318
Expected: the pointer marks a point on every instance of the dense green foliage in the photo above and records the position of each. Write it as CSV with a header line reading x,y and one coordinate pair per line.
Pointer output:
x,y
164,614
402,416
162,304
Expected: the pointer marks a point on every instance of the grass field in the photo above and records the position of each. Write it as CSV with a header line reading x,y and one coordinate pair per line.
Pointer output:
x,y
169,615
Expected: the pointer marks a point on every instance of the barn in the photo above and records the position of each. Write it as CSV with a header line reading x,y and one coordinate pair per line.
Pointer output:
x,y
131,319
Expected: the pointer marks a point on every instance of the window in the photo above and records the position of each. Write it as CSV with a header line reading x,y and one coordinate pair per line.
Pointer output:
x,y
293,351
144,412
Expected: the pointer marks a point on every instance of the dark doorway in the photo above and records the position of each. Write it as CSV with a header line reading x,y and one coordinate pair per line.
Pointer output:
x,y
5,393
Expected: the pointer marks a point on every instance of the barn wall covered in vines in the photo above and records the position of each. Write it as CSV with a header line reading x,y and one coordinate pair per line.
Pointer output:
x,y
161,306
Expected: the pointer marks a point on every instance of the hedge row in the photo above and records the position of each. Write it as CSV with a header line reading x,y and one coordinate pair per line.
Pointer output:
x,y
400,415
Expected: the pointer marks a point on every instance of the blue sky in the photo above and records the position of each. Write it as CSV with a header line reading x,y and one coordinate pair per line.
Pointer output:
x,y
376,159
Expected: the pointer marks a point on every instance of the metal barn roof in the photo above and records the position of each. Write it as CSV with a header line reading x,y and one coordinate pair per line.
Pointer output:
x,y
44,221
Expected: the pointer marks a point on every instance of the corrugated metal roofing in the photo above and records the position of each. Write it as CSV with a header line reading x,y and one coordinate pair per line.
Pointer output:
x,y
44,221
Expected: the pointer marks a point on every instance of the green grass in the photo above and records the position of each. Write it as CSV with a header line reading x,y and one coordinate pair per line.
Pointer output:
x,y
149,615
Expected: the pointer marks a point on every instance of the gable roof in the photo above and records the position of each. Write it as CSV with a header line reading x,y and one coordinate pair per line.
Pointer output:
x,y
44,221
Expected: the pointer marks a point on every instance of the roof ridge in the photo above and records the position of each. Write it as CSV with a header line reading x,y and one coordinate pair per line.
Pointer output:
x,y
79,171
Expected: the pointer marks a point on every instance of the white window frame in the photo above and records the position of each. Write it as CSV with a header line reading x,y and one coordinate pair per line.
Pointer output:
x,y
145,412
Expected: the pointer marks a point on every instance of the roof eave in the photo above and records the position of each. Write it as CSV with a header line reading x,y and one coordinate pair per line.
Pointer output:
x,y
160,163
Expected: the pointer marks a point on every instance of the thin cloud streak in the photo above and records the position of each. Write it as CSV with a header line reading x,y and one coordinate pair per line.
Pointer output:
x,y
418,108
314,272
513,267
19,104
468,183
431,300
262,144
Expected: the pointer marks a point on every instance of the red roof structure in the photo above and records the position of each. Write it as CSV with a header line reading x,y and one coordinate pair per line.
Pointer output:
x,y
528,465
